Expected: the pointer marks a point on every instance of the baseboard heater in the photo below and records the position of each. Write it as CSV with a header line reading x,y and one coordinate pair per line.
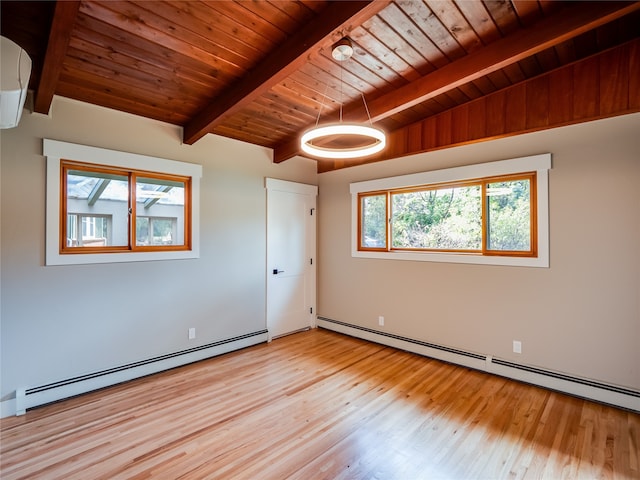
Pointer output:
x,y
36,396
581,387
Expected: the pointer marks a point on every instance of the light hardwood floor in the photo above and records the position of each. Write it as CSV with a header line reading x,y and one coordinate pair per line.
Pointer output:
x,y
317,405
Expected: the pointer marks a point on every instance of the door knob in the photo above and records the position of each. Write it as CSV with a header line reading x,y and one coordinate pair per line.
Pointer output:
x,y
276,271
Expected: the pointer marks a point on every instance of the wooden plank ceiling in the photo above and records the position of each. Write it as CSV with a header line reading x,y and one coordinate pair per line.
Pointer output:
x,y
262,71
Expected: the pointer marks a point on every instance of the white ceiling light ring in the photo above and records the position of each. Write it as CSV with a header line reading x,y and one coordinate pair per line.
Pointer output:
x,y
341,51
377,137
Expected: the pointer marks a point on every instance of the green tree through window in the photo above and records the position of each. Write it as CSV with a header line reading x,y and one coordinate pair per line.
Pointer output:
x,y
491,216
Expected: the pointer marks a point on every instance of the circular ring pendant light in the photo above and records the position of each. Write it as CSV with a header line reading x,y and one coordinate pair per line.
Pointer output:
x,y
343,140
354,131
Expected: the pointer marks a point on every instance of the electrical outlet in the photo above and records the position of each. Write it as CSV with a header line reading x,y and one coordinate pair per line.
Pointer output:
x,y
517,346
192,333
381,321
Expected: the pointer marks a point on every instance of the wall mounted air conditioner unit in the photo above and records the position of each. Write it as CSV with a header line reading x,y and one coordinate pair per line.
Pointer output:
x,y
15,70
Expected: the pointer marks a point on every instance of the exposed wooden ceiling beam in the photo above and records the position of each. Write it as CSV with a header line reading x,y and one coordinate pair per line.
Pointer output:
x,y
568,23
328,26
64,17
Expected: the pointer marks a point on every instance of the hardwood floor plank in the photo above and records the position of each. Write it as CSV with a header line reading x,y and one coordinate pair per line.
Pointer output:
x,y
320,405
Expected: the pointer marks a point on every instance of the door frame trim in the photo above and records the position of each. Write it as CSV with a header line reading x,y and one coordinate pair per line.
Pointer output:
x,y
290,187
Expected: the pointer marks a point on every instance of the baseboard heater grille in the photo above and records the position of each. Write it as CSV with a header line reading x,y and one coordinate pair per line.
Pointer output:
x,y
407,339
50,392
569,378
606,393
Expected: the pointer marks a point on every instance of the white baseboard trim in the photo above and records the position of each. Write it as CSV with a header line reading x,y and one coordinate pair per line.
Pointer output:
x,y
590,389
30,397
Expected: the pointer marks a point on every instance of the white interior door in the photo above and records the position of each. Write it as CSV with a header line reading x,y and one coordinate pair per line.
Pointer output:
x,y
291,250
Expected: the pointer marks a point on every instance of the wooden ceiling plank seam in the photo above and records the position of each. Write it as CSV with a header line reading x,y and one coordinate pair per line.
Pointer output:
x,y
514,73
430,25
566,52
274,15
252,122
530,67
106,100
104,80
297,94
308,109
234,134
480,20
338,75
471,90
401,22
230,26
280,63
136,26
444,101
305,88
384,53
286,112
270,132
249,20
549,6
147,75
184,14
183,38
299,12
452,19
183,76
504,16
527,11
396,30
64,17
499,79
458,95
350,72
314,5
329,91
143,50
547,59
260,119
267,127
365,55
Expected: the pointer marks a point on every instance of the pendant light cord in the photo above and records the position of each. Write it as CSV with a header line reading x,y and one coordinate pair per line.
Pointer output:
x,y
324,96
366,108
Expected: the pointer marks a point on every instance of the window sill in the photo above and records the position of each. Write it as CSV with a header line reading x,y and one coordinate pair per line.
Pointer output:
x,y
471,258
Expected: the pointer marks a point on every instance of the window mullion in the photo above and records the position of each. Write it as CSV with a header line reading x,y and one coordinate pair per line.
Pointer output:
x,y
389,226
485,219
133,178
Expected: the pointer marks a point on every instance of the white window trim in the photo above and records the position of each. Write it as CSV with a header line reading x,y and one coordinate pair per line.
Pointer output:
x,y
55,151
538,163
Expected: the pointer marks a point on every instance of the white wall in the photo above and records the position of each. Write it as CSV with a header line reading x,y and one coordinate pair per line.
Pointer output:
x,y
59,322
581,316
